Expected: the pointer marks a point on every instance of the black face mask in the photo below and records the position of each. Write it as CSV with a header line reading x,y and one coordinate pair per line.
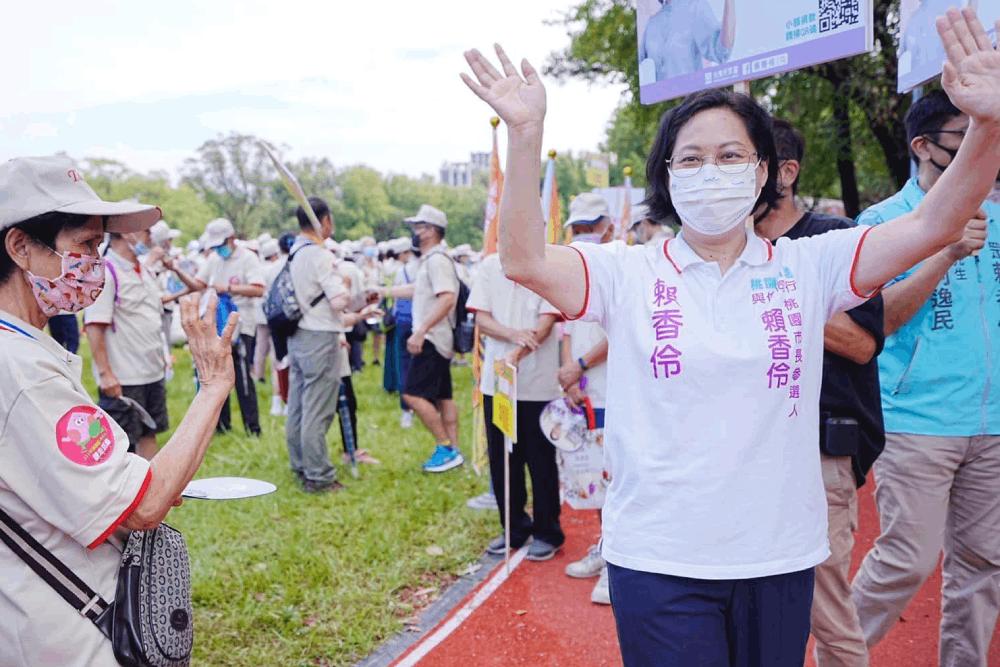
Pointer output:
x,y
952,152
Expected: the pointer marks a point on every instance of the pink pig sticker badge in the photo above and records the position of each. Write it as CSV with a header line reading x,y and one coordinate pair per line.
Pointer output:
x,y
84,436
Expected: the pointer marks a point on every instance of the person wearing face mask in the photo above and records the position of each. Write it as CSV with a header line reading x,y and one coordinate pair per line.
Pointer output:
x,y
583,373
237,275
648,231
937,479
66,475
851,432
716,515
434,291
124,327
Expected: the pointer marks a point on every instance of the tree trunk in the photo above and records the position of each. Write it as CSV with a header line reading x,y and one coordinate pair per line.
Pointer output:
x,y
845,154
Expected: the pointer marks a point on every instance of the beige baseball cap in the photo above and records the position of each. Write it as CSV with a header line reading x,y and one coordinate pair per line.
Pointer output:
x,y
586,208
640,212
161,232
217,232
429,215
33,186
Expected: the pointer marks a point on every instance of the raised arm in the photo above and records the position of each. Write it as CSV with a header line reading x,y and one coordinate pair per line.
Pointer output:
x,y
556,273
972,80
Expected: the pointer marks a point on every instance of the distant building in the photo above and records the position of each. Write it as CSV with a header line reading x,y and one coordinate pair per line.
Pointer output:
x,y
462,174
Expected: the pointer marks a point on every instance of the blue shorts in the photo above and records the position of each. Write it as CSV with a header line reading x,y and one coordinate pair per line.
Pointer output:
x,y
666,620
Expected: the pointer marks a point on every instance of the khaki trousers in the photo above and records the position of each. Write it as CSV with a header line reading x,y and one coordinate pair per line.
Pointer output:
x,y
936,493
835,625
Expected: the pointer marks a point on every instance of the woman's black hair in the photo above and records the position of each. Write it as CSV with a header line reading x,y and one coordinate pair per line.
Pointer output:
x,y
758,124
44,229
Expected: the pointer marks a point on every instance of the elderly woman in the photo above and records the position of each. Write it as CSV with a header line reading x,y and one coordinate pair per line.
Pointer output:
x,y
715,517
66,476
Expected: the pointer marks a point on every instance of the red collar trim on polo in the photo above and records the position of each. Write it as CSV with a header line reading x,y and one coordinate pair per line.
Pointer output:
x,y
677,267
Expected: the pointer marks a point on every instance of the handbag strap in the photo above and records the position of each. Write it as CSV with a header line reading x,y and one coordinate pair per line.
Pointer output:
x,y
53,571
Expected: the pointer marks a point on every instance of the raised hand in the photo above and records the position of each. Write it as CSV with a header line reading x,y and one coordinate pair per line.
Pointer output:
x,y
971,75
517,97
212,354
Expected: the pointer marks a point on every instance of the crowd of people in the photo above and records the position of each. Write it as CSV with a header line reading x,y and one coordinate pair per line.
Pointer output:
x,y
748,362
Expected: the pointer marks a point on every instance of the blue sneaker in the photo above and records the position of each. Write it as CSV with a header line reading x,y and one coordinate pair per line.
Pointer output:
x,y
444,458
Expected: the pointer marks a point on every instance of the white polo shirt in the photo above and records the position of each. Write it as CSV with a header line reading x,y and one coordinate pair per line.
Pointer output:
x,y
515,306
711,434
132,307
67,478
242,268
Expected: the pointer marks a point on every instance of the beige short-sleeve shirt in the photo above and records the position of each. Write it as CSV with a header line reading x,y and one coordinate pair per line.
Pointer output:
x,y
132,307
67,478
517,307
313,274
242,268
436,275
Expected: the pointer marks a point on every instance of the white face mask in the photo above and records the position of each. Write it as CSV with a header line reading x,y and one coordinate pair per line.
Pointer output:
x,y
588,238
712,202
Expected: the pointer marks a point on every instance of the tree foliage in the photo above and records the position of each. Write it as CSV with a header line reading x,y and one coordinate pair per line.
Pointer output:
x,y
848,110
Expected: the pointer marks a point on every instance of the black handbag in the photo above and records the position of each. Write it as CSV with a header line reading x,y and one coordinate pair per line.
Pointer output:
x,y
150,622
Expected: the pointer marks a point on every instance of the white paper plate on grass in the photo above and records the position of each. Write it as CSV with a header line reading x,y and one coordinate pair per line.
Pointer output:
x,y
227,488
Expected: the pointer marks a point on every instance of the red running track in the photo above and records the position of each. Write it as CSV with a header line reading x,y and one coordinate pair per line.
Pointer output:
x,y
539,616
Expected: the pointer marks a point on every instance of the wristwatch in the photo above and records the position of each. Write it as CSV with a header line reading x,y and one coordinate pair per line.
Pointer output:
x,y
583,364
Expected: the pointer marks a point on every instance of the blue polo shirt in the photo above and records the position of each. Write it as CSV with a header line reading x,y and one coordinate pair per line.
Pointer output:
x,y
940,371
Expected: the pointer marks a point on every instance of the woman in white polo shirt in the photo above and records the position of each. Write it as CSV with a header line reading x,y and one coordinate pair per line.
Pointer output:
x,y
716,515
66,476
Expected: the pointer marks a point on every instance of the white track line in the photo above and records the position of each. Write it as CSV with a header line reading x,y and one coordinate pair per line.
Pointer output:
x,y
431,641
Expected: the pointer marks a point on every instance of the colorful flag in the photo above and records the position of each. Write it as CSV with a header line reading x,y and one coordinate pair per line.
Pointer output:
x,y
551,207
626,218
491,225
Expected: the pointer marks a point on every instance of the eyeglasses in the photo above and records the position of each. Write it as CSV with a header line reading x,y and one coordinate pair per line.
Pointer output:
x,y
729,161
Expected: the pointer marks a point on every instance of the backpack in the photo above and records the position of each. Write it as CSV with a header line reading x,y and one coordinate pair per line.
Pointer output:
x,y
281,306
464,332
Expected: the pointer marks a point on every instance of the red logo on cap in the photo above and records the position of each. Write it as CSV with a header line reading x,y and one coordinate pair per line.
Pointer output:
x,y
74,175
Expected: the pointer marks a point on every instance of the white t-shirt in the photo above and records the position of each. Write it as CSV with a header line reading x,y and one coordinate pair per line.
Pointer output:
x,y
132,306
67,478
515,306
711,432
583,336
313,273
242,268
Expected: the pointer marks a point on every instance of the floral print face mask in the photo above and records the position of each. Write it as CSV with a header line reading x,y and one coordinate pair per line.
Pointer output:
x,y
78,286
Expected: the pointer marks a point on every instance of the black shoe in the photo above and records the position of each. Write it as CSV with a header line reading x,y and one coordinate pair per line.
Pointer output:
x,y
498,546
541,550
309,486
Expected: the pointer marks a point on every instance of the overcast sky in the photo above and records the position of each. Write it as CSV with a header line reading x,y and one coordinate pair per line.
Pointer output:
x,y
357,82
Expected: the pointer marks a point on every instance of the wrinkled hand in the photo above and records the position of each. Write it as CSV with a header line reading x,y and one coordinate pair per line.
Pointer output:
x,y
415,343
109,384
512,358
212,354
524,338
575,396
971,75
569,374
518,100
972,241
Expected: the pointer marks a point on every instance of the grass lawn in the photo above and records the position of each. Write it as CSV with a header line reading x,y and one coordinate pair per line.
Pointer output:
x,y
297,579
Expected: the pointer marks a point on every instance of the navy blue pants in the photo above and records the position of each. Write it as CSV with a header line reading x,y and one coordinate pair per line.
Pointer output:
x,y
665,620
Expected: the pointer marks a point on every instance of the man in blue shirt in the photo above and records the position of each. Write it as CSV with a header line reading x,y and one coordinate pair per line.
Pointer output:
x,y
684,34
939,476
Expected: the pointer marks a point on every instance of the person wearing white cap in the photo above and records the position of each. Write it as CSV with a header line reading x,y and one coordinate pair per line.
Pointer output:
x,y
125,329
647,230
428,389
716,514
583,373
66,476
236,274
